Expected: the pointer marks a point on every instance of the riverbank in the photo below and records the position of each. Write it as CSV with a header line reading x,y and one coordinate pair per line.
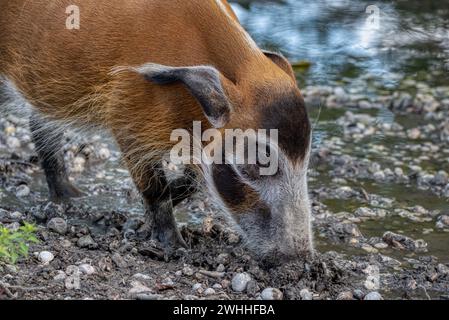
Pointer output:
x,y
379,188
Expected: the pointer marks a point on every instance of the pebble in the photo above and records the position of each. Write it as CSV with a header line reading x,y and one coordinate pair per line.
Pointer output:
x,y
441,178
379,176
58,225
443,269
65,243
403,242
305,294
209,292
252,288
233,238
148,296
78,164
60,276
104,153
399,172
372,282
373,296
240,281
13,142
414,134
46,257
271,294
225,283
365,212
221,268
358,294
223,258
346,295
443,222
39,215
217,286
13,226
86,242
23,191
381,245
197,287
87,269
188,271
16,215
72,270
168,282
369,249
73,282
138,288
118,260
141,276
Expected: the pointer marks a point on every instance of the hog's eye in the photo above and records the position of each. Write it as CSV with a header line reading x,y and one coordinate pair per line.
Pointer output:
x,y
253,172
249,171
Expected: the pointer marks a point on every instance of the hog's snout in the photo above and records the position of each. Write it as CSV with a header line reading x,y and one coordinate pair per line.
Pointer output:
x,y
281,235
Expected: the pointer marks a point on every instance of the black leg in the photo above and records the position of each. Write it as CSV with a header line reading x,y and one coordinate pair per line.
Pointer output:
x,y
48,141
161,223
184,187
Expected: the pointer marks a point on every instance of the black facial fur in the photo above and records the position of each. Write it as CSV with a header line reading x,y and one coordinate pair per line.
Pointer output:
x,y
289,115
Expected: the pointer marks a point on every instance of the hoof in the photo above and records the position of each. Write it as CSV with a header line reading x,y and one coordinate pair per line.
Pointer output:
x,y
170,239
65,192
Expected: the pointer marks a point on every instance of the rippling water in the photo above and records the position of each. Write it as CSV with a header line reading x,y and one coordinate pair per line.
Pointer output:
x,y
350,39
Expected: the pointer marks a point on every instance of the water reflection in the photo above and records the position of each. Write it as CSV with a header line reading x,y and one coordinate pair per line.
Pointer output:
x,y
342,40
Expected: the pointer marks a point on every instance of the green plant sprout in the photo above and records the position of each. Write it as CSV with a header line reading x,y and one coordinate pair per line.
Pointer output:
x,y
15,244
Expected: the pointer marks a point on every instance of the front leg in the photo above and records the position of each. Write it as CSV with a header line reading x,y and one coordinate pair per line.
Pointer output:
x,y
184,187
160,222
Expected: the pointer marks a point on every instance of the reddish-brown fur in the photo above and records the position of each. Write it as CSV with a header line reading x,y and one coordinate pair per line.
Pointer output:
x,y
66,74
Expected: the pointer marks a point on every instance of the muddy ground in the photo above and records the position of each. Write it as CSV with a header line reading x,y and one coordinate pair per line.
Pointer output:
x,y
373,241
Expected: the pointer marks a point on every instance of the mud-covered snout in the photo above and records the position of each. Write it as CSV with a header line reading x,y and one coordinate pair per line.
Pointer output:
x,y
279,234
272,213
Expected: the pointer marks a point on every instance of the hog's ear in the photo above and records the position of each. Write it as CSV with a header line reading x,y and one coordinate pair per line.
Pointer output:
x,y
203,82
281,62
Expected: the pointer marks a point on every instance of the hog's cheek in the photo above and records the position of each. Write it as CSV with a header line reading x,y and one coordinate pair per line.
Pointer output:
x,y
238,197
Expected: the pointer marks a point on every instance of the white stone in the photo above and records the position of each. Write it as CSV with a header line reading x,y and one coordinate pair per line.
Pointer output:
x,y
373,296
197,287
209,292
23,191
306,294
60,276
104,153
46,257
13,142
372,282
73,282
271,294
87,269
240,281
